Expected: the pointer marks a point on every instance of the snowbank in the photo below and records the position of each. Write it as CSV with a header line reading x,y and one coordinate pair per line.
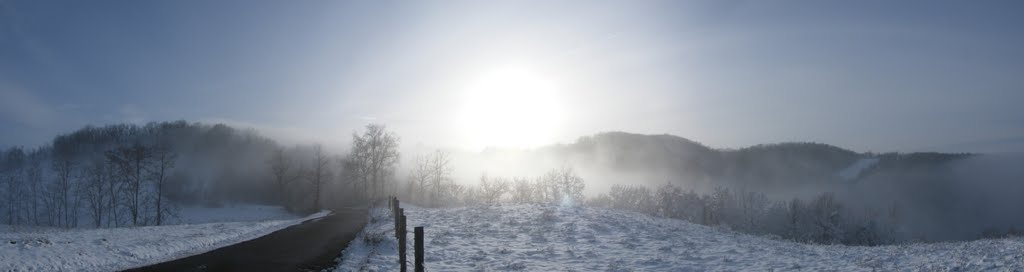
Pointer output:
x,y
122,248
375,248
549,238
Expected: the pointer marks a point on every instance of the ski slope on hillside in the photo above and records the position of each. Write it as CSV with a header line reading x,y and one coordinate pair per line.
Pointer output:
x,y
550,238
115,249
858,167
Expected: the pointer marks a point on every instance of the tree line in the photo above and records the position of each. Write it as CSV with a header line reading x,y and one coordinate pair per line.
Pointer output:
x,y
822,219
430,183
132,175
123,185
136,175
304,177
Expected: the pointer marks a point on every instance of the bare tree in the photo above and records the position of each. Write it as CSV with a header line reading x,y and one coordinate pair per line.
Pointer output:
x,y
672,201
720,206
373,158
163,162
440,174
491,189
795,216
632,198
419,178
824,213
61,193
281,166
319,174
13,177
752,206
523,191
132,162
116,183
34,176
563,184
95,191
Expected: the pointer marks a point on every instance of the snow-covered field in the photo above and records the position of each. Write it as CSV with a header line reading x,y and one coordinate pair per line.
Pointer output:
x,y
550,238
122,248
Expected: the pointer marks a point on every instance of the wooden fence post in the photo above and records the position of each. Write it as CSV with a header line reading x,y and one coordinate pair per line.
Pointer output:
x,y
397,212
394,206
418,248
402,241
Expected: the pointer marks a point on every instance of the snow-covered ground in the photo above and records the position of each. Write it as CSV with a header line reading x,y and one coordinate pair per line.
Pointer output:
x,y
550,238
122,248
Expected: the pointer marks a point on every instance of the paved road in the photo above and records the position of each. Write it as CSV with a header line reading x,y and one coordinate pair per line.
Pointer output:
x,y
310,246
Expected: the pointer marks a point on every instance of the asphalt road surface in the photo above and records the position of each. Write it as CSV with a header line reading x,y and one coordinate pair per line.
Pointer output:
x,y
310,246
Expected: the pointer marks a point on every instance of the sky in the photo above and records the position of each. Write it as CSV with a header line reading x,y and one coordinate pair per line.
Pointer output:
x,y
864,75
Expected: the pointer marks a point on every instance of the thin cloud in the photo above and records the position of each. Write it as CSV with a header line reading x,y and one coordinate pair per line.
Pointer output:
x,y
20,106
132,114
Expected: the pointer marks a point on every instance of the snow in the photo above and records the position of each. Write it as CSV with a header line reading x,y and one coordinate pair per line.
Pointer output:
x,y
374,248
122,248
551,238
853,171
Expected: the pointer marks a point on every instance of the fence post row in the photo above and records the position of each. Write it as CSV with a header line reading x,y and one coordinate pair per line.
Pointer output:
x,y
401,232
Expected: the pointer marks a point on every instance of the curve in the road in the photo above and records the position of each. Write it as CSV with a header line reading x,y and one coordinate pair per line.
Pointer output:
x,y
310,246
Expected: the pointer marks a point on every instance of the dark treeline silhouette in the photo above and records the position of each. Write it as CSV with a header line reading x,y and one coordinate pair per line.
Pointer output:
x,y
131,175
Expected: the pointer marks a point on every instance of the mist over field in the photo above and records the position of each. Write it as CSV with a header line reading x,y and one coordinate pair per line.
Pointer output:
x,y
938,196
727,135
902,196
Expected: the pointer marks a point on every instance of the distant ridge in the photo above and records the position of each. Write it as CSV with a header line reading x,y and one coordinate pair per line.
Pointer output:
x,y
774,164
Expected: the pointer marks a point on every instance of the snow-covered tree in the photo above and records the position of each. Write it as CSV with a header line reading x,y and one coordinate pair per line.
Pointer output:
x,y
492,189
825,215
523,191
562,185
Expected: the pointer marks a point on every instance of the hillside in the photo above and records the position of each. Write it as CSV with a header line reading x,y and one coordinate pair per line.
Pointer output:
x,y
552,238
661,158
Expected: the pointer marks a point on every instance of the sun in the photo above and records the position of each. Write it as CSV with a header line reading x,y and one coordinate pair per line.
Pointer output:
x,y
510,107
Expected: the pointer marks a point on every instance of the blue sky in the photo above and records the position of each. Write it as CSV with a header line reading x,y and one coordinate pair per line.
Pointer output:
x,y
864,75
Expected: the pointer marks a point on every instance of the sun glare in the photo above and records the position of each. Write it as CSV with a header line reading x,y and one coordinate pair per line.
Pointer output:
x,y
511,107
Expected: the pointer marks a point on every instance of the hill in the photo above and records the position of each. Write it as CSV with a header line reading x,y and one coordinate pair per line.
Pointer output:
x,y
557,238
656,159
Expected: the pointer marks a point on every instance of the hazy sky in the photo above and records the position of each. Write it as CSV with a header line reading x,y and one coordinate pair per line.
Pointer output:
x,y
864,75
